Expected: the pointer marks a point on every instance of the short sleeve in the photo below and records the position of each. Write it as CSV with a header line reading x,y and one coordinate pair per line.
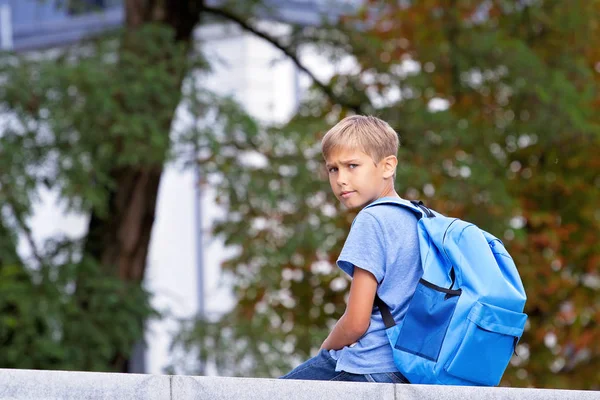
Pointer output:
x,y
364,247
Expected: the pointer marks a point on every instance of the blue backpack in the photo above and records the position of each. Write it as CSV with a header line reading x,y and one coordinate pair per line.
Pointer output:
x,y
466,315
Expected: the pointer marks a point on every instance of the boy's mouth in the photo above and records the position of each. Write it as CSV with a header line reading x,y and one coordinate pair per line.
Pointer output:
x,y
345,195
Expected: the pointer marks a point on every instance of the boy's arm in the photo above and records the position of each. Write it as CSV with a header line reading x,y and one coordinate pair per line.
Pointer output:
x,y
357,317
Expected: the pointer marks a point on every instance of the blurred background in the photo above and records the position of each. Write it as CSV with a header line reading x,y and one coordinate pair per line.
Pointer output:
x,y
164,207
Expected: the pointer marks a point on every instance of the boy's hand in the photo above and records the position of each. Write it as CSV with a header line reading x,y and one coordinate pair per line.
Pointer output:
x,y
357,317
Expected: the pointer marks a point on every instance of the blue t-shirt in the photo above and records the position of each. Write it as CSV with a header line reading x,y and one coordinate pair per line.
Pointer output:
x,y
382,240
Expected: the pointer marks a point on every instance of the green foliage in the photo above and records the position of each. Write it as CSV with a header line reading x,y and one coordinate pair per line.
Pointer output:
x,y
514,151
71,117
101,105
44,326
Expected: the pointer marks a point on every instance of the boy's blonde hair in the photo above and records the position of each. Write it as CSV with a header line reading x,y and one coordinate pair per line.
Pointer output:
x,y
369,134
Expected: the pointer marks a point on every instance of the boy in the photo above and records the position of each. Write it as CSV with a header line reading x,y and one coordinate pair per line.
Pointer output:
x,y
381,254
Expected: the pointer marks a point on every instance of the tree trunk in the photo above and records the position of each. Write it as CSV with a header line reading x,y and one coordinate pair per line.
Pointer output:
x,y
119,241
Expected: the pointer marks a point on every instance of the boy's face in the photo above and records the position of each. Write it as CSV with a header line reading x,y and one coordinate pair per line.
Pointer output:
x,y
355,178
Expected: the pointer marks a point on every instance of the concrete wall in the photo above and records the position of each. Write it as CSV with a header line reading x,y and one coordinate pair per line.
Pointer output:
x,y
50,385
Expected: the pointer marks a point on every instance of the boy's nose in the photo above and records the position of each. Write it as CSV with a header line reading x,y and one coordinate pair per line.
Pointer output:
x,y
341,179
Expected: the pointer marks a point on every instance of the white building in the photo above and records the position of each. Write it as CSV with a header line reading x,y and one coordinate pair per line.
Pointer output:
x,y
269,91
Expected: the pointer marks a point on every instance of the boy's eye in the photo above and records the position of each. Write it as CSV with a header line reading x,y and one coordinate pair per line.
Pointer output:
x,y
352,166
332,169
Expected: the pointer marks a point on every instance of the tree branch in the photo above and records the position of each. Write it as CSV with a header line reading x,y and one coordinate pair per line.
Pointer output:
x,y
22,225
287,51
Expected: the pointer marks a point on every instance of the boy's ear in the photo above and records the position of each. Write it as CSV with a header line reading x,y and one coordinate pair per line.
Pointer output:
x,y
389,166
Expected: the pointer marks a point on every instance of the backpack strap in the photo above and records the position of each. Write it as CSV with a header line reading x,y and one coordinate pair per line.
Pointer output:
x,y
425,210
416,206
388,320
420,211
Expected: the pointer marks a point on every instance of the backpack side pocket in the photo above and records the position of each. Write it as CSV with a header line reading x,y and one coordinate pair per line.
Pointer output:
x,y
426,321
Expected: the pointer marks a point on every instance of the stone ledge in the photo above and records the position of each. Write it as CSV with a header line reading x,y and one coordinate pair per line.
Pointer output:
x,y
21,384
66,385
